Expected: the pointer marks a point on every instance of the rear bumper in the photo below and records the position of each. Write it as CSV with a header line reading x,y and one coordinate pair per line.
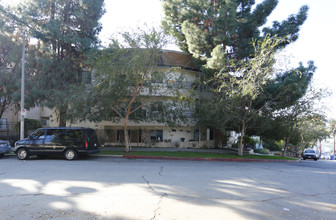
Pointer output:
x,y
5,150
311,157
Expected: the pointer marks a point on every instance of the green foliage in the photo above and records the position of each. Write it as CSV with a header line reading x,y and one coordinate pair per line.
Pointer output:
x,y
201,26
128,84
261,151
239,90
10,64
272,145
287,87
313,128
29,125
249,141
64,30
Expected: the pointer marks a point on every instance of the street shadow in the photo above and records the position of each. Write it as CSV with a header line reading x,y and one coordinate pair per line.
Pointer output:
x,y
101,188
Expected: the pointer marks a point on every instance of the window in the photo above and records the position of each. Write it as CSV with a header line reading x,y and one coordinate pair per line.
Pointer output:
x,y
86,77
3,123
53,135
45,121
156,135
74,135
39,134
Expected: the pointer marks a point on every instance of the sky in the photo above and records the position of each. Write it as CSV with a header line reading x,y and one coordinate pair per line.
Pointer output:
x,y
317,37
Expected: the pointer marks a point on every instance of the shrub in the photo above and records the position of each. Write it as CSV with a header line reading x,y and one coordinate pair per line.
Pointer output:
x,y
272,145
261,151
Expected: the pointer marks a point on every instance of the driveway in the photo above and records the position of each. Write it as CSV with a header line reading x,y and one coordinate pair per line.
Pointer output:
x,y
114,188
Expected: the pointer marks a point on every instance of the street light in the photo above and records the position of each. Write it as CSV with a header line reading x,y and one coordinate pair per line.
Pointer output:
x,y
23,111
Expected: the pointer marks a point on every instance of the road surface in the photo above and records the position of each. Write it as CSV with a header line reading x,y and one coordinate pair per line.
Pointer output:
x,y
117,188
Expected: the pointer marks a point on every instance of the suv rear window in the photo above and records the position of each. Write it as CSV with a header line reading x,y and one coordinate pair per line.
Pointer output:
x,y
54,135
74,134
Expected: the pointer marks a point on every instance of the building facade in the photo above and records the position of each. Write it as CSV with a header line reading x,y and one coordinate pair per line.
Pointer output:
x,y
187,134
149,133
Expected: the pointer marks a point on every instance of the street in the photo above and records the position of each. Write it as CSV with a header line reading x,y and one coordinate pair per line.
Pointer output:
x,y
116,188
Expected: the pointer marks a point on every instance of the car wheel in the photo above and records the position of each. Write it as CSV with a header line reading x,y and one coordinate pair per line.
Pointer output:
x,y
315,159
2,155
70,154
22,154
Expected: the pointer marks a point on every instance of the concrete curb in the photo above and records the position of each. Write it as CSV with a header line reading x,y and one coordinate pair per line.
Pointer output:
x,y
206,159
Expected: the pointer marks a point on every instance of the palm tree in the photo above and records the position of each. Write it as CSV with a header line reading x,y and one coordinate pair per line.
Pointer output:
x,y
333,130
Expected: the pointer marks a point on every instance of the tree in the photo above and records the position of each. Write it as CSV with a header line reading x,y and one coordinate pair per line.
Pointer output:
x,y
216,30
10,63
128,85
313,129
64,30
240,89
219,33
300,121
10,66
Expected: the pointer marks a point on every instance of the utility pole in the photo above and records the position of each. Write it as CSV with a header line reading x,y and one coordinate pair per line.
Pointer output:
x,y
23,111
334,143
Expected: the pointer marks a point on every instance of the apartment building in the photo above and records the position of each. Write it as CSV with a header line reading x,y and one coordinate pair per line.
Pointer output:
x,y
145,133
12,116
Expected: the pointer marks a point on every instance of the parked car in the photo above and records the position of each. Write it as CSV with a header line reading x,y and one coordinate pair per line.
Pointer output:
x,y
310,154
5,148
325,156
68,141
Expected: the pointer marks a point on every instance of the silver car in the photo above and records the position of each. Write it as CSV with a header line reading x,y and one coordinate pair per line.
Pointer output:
x,y
311,154
5,148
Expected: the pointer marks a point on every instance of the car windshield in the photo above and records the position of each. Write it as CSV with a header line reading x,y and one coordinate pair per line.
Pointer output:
x,y
309,151
38,134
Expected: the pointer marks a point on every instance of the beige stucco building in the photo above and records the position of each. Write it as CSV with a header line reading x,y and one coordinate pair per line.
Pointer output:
x,y
143,133
12,116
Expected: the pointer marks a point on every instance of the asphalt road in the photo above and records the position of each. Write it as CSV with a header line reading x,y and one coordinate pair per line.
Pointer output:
x,y
116,188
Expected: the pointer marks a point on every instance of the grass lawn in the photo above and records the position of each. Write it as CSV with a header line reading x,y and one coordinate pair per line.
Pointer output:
x,y
193,154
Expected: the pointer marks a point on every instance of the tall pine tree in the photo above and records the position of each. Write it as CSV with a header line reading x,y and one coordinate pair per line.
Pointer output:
x,y
212,28
10,64
219,33
65,29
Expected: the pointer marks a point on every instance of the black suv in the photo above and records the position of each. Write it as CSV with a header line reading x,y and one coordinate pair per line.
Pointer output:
x,y
69,141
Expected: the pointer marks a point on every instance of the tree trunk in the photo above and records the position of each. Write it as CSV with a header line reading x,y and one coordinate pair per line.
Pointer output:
x,y
127,143
218,138
334,146
240,146
62,117
286,146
